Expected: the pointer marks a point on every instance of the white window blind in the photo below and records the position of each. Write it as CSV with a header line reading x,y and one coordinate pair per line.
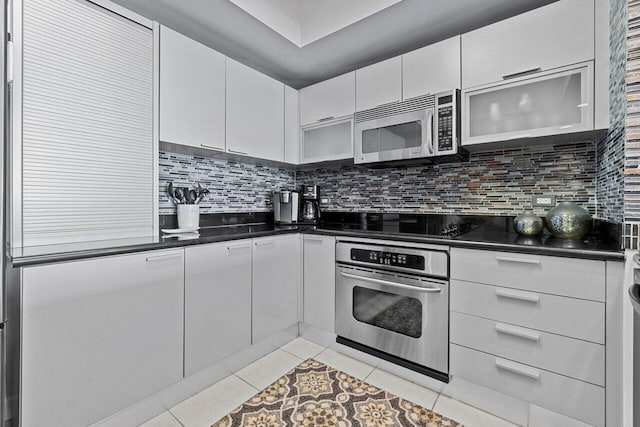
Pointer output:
x,y
87,127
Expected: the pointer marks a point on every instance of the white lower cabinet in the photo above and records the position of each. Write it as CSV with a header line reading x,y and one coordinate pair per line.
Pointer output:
x,y
573,398
98,335
531,327
319,278
275,273
217,303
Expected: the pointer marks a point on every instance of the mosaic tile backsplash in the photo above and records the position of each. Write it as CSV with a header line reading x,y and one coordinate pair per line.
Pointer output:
x,y
496,182
611,151
235,187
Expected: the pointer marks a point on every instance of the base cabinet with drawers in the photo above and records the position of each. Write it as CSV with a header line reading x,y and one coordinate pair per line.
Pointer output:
x,y
532,327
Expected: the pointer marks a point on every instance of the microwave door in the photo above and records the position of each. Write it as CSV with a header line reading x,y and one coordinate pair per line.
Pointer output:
x,y
428,135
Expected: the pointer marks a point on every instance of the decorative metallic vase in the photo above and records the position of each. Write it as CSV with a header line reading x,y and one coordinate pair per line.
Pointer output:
x,y
568,221
528,224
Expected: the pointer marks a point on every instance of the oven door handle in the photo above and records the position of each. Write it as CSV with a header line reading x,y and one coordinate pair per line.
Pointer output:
x,y
392,284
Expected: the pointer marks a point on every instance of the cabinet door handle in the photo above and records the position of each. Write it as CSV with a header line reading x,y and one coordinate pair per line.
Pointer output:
x,y
517,368
324,119
154,258
211,147
237,247
236,152
517,332
518,260
521,73
313,239
518,295
265,243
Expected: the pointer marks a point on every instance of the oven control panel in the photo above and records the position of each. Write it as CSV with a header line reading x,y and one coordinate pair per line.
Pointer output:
x,y
395,259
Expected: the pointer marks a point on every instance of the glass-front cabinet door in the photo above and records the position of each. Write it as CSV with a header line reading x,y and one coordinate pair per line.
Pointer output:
x,y
546,103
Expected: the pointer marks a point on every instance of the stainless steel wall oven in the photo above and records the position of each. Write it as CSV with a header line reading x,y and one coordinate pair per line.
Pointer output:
x,y
393,302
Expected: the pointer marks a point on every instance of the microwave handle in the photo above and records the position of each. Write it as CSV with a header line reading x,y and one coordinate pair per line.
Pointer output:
x,y
430,139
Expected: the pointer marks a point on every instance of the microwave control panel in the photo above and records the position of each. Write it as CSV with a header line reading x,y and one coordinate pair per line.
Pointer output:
x,y
447,123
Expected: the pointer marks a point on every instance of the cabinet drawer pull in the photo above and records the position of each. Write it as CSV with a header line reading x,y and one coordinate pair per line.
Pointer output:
x,y
517,368
517,332
312,239
211,147
236,152
517,260
518,295
521,73
265,243
324,119
236,247
154,258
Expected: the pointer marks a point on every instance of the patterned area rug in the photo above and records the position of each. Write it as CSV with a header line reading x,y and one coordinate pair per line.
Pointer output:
x,y
313,394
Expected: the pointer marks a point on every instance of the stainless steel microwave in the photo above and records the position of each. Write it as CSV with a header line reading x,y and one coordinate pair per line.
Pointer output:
x,y
421,128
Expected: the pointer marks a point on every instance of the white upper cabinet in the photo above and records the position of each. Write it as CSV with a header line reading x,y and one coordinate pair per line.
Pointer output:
x,y
378,84
330,99
291,126
192,92
431,69
552,36
255,113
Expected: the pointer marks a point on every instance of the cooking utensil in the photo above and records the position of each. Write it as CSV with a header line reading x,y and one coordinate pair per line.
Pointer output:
x,y
192,197
179,195
170,193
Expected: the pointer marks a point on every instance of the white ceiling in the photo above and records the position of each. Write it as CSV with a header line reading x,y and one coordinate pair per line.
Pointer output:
x,y
317,39
305,21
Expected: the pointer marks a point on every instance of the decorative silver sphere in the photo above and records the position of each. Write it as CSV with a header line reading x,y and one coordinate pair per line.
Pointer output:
x,y
568,221
528,224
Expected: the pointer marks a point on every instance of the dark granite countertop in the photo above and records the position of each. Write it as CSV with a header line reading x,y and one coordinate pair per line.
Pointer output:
x,y
483,232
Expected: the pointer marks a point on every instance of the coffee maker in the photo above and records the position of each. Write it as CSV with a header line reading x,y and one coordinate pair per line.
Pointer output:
x,y
285,206
310,203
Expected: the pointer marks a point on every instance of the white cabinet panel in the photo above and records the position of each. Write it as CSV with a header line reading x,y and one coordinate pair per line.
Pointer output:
x,y
217,303
574,358
332,98
192,92
319,281
431,69
551,36
378,84
99,335
568,396
579,278
531,310
276,267
255,113
291,126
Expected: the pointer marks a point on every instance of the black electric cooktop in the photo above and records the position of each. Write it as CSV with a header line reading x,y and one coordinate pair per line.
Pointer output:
x,y
447,226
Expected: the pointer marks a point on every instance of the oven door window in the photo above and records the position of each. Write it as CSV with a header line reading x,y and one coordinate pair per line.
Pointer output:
x,y
396,313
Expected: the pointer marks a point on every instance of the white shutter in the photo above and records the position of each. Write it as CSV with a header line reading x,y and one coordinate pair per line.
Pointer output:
x,y
87,124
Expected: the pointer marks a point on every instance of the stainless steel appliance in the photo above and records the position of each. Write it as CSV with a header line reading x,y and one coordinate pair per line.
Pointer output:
x,y
310,203
426,128
393,302
285,206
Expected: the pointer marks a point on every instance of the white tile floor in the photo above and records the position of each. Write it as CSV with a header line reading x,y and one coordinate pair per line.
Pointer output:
x,y
211,404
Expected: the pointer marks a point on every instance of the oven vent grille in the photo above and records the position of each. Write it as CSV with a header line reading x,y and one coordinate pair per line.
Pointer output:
x,y
394,108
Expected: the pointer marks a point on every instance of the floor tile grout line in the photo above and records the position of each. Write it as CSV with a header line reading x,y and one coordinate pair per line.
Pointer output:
x,y
247,382
293,354
175,417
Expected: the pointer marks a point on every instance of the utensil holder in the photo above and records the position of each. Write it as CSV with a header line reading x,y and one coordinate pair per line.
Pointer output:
x,y
188,216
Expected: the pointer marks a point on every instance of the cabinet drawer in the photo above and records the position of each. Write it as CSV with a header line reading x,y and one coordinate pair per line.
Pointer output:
x,y
559,276
567,356
560,315
568,396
